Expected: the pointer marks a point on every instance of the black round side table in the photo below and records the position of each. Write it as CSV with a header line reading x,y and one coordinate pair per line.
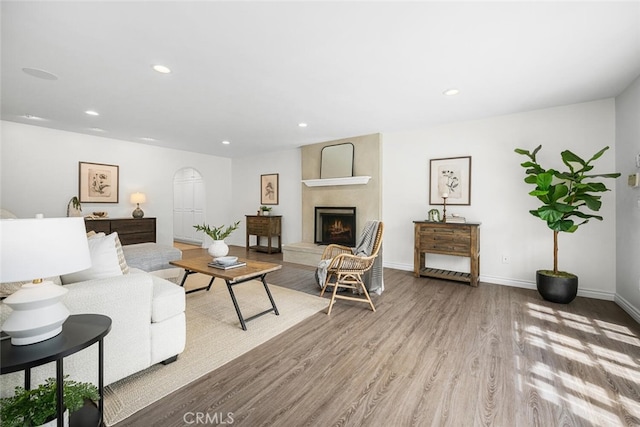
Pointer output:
x,y
78,332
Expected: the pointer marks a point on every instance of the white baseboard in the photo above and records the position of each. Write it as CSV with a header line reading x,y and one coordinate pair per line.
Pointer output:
x,y
396,266
525,284
628,307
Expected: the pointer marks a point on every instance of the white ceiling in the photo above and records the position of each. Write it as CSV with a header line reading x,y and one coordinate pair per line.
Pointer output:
x,y
249,72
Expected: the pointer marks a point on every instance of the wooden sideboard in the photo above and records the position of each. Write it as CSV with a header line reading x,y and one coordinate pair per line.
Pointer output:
x,y
447,239
268,226
130,230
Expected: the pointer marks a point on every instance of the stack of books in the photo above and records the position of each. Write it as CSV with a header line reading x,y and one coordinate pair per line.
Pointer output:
x,y
226,266
456,219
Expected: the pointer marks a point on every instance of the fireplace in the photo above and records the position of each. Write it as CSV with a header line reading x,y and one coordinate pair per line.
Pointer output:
x,y
335,225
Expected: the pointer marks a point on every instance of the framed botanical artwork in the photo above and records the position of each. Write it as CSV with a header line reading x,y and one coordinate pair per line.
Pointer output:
x,y
450,178
98,183
269,189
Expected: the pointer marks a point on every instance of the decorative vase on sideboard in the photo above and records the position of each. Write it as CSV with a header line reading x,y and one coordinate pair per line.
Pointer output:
x,y
218,248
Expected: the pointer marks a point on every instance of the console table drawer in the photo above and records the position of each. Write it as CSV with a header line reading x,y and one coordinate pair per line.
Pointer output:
x,y
445,248
98,225
263,226
258,228
124,226
130,230
445,241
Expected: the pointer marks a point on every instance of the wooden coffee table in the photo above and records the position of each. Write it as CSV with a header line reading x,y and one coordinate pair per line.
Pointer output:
x,y
232,277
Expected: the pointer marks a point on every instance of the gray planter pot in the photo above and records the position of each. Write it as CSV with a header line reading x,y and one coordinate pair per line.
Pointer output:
x,y
561,290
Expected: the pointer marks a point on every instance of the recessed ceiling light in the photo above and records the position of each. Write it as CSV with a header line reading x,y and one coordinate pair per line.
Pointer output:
x,y
92,113
148,139
451,92
162,69
31,117
302,125
41,74
225,142
97,130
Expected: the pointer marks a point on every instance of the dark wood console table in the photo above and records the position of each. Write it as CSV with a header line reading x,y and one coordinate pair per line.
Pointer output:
x,y
268,226
78,332
130,230
459,239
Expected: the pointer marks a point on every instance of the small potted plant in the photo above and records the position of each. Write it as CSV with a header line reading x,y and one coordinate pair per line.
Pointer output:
x,y
37,407
266,210
74,208
218,248
568,198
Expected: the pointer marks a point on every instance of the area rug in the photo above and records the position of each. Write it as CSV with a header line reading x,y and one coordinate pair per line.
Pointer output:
x,y
214,337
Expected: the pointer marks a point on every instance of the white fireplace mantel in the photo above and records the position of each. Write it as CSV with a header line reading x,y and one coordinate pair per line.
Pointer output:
x,y
325,182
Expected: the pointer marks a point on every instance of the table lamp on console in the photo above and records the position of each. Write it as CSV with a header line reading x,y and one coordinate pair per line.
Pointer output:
x,y
138,198
34,249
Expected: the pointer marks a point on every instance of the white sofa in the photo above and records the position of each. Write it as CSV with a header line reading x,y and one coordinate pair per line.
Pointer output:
x,y
148,327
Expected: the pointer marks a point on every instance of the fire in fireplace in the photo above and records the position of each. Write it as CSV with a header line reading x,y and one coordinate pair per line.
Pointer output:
x,y
335,225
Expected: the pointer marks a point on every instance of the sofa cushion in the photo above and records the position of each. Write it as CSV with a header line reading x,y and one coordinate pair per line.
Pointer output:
x,y
104,260
122,261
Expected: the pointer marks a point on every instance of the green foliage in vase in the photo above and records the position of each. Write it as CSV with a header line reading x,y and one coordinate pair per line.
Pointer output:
x,y
75,203
568,197
37,406
217,233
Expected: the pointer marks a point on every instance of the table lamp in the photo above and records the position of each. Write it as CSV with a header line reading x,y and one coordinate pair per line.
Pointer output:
x,y
138,198
445,196
34,249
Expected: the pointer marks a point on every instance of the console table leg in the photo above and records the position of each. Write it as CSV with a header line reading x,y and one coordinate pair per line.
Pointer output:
x,y
101,380
27,379
59,392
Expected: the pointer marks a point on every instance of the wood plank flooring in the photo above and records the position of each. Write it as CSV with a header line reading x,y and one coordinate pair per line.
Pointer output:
x,y
435,353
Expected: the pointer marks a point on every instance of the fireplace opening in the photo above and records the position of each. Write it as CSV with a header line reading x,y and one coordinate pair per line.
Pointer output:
x,y
335,225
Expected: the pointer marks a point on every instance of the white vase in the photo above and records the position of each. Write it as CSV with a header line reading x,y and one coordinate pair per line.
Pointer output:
x,y
54,422
218,248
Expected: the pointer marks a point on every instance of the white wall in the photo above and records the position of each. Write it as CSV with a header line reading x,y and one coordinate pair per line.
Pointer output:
x,y
628,200
246,192
499,196
40,174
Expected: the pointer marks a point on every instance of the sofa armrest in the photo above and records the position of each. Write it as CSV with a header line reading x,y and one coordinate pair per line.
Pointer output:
x,y
127,300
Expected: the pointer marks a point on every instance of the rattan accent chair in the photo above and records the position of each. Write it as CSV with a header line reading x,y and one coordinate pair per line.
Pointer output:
x,y
347,269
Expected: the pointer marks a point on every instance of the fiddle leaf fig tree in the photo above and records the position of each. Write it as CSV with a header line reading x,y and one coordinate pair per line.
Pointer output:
x,y
568,198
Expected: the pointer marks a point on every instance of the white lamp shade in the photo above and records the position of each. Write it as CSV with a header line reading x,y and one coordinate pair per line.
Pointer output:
x,y
138,198
44,247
